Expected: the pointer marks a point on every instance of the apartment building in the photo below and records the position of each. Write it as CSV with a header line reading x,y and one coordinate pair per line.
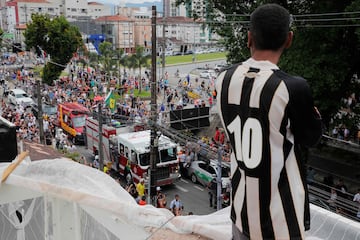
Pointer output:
x,y
16,12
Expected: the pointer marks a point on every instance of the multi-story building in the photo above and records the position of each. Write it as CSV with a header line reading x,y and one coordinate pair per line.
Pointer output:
x,y
119,30
16,12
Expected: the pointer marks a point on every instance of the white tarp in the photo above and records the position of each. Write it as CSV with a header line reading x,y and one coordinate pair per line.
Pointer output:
x,y
77,198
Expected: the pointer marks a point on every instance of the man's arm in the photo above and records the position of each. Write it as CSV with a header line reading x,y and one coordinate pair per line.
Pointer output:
x,y
305,118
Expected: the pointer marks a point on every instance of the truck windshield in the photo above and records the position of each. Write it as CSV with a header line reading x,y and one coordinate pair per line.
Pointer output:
x,y
78,121
144,159
168,154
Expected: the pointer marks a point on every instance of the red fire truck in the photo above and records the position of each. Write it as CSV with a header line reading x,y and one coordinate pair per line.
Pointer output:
x,y
71,118
129,152
92,137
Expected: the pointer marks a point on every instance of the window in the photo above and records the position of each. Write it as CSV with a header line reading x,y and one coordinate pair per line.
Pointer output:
x,y
50,9
168,155
122,149
144,159
79,121
133,156
211,170
127,152
73,9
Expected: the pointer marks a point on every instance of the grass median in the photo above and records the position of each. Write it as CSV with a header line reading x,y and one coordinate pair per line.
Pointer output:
x,y
170,60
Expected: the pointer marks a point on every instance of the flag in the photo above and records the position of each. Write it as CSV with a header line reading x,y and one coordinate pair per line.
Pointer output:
x,y
110,101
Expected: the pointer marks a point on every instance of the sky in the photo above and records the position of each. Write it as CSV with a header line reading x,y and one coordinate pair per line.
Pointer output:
x,y
116,2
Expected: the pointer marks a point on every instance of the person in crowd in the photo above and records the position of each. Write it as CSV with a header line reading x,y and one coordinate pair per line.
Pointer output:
x,y
310,176
332,200
140,187
131,188
142,201
356,199
212,191
96,163
160,198
269,117
341,189
176,206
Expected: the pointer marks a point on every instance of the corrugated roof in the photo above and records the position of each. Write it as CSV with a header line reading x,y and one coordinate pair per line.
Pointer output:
x,y
95,3
29,1
114,18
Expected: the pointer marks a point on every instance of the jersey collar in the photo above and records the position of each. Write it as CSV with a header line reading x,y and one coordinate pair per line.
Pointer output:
x,y
260,64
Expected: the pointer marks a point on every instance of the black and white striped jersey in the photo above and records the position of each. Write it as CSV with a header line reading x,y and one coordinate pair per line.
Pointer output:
x,y
268,115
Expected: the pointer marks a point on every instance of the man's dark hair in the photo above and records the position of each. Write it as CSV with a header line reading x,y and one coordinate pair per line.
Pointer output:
x,y
269,26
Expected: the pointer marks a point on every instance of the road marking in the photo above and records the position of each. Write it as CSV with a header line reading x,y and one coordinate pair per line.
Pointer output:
x,y
181,188
199,188
183,180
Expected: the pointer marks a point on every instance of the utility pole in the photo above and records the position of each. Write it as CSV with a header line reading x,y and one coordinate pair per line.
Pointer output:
x,y
163,38
40,112
218,179
153,113
101,152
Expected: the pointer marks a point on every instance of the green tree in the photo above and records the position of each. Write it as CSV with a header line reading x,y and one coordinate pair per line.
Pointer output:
x,y
325,48
140,60
57,38
106,54
1,36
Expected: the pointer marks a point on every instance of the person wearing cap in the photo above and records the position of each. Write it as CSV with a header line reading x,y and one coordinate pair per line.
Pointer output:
x,y
140,187
160,198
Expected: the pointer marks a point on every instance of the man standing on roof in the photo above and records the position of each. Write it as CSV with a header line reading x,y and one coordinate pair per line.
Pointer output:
x,y
269,117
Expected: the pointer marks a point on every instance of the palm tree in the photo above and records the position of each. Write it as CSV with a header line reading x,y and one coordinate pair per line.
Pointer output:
x,y
106,57
140,60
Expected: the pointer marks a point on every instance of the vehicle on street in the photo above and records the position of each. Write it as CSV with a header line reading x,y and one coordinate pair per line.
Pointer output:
x,y
71,118
203,173
208,74
19,97
47,109
129,152
220,67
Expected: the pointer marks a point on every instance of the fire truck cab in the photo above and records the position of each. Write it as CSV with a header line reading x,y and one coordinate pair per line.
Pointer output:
x,y
132,154
71,118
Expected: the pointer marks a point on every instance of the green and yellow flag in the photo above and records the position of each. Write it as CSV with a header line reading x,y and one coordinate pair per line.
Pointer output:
x,y
110,101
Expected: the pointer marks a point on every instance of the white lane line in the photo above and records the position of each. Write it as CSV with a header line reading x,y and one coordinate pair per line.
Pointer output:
x,y
181,188
183,180
199,188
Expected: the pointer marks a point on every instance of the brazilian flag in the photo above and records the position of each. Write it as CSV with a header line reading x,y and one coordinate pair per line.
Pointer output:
x,y
110,101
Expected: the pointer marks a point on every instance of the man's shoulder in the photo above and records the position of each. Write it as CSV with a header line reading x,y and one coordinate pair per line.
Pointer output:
x,y
289,78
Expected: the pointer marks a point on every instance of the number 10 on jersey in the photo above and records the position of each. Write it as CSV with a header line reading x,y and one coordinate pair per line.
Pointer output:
x,y
248,141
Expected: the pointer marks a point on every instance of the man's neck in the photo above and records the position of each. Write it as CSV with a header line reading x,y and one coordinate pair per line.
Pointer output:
x,y
266,55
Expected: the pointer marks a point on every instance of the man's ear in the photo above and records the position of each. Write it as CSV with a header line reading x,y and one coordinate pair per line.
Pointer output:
x,y
249,42
289,39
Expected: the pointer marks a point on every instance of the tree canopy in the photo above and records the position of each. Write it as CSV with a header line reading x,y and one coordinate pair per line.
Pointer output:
x,y
325,48
57,38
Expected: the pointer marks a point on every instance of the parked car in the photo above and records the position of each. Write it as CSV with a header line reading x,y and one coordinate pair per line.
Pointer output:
x,y
202,172
208,74
220,67
19,97
49,110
